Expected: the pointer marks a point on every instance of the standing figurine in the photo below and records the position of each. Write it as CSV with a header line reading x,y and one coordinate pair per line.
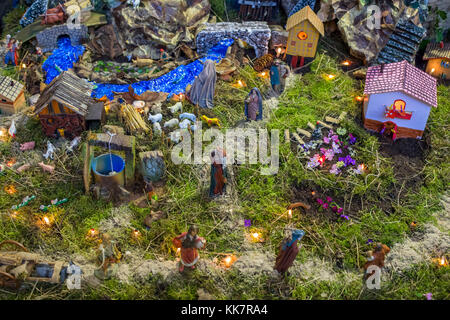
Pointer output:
x,y
12,55
288,250
253,105
278,74
218,173
377,258
202,90
189,243
108,255
163,56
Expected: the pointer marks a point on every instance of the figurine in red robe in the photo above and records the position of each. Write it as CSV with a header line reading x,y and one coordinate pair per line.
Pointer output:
x,y
288,251
189,242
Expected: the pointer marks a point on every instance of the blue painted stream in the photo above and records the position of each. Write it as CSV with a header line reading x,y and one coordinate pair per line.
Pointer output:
x,y
173,82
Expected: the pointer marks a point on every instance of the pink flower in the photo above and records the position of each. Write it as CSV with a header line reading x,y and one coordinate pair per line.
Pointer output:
x,y
340,210
329,199
326,140
325,205
429,296
320,201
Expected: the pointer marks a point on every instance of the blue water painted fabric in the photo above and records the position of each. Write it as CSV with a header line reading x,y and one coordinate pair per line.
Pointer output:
x,y
62,59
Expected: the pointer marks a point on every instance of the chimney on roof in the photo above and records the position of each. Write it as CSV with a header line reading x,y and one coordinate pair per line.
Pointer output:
x,y
382,68
11,83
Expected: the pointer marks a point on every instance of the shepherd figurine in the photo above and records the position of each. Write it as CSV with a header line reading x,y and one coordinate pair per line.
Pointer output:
x,y
288,250
218,173
189,243
253,105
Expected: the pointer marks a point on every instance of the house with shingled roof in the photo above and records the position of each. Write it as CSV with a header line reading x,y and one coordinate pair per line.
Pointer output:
x,y
12,96
398,99
438,60
65,107
305,29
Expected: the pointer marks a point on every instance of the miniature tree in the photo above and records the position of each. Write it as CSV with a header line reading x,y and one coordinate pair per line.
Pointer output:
x,y
39,7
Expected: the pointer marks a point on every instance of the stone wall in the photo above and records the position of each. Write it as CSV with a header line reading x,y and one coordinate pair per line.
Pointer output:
x,y
257,34
47,39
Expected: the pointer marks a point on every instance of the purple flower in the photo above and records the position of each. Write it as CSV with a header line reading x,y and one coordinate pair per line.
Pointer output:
x,y
336,148
247,222
369,241
329,199
314,161
334,169
326,140
329,154
351,139
429,296
344,216
348,160
335,138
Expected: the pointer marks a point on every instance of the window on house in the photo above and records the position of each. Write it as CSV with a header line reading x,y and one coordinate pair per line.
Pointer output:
x,y
3,100
445,64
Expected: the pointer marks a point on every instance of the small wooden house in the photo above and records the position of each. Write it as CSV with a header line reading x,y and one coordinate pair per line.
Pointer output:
x,y
66,108
305,29
438,57
12,96
398,98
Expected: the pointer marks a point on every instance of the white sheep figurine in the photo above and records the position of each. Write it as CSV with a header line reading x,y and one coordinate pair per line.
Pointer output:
x,y
176,107
185,124
189,116
171,123
175,136
155,118
50,150
157,128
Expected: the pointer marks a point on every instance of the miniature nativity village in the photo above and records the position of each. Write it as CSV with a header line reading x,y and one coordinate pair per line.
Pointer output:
x,y
195,149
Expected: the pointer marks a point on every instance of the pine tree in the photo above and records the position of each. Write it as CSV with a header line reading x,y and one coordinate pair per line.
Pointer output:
x,y
39,7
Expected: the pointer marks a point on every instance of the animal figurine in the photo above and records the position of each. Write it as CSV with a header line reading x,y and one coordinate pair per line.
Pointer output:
x,y
23,167
27,146
50,150
189,116
177,107
46,167
377,257
185,124
157,128
171,123
12,129
73,144
155,118
211,121
175,136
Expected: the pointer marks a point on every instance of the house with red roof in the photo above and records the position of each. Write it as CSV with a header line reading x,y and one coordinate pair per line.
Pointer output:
x,y
398,99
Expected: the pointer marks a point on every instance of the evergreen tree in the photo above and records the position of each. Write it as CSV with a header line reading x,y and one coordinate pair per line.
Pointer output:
x,y
39,7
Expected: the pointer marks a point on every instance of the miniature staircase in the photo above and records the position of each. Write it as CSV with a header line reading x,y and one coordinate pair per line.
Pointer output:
x,y
403,43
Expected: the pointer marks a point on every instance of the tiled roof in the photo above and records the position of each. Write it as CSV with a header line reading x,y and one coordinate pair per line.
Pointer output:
x,y
402,44
434,50
10,88
404,77
305,14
